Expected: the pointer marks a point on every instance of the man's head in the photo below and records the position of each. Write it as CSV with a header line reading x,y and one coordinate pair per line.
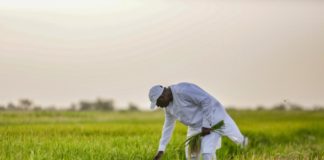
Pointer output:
x,y
160,96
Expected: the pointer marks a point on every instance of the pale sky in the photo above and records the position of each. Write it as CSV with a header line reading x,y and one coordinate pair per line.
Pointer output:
x,y
244,52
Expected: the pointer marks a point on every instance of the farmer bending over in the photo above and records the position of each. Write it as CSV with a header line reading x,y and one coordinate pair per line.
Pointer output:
x,y
198,110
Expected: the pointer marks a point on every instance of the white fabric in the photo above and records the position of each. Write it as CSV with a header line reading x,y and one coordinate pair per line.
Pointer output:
x,y
209,156
193,107
231,130
196,108
167,130
210,143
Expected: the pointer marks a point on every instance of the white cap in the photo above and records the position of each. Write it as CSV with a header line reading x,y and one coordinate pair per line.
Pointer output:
x,y
154,94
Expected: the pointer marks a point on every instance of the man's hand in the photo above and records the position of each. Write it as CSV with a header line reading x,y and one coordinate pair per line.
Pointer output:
x,y
205,131
158,155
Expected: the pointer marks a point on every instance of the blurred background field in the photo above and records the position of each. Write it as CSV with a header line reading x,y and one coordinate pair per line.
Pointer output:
x,y
90,64
122,135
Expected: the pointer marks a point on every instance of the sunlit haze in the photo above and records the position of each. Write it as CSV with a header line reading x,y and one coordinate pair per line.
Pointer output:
x,y
245,53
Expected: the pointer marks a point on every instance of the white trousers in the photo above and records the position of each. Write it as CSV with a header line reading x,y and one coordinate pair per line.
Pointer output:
x,y
211,142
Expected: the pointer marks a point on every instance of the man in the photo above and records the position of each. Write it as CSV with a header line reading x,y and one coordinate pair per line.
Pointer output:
x,y
195,108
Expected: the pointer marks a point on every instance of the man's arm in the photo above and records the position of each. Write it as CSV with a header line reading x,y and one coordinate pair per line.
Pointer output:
x,y
168,127
167,131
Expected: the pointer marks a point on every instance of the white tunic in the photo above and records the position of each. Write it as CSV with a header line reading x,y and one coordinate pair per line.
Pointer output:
x,y
193,107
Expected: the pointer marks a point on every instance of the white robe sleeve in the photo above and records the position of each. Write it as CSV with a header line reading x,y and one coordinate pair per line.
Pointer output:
x,y
167,131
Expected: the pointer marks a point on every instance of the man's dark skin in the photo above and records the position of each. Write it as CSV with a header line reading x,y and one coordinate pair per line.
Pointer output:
x,y
162,102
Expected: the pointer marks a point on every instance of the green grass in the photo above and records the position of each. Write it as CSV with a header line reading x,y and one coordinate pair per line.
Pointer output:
x,y
122,136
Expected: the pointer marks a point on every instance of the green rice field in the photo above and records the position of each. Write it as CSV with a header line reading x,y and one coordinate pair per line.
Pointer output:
x,y
61,135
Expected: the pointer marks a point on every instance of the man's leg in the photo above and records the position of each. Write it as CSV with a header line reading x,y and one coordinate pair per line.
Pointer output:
x,y
231,130
209,144
190,132
209,156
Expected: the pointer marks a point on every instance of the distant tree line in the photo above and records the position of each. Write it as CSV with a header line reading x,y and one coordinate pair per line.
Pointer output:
x,y
288,106
107,105
99,104
284,106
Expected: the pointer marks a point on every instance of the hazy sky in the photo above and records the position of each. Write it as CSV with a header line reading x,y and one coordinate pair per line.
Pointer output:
x,y
245,53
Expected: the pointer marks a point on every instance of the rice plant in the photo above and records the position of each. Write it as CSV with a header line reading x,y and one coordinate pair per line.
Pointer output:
x,y
194,142
285,135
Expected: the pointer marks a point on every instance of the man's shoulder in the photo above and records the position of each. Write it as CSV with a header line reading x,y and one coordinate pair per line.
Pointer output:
x,y
183,88
183,85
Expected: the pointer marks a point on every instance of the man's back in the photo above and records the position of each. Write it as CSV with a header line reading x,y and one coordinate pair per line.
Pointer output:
x,y
193,106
